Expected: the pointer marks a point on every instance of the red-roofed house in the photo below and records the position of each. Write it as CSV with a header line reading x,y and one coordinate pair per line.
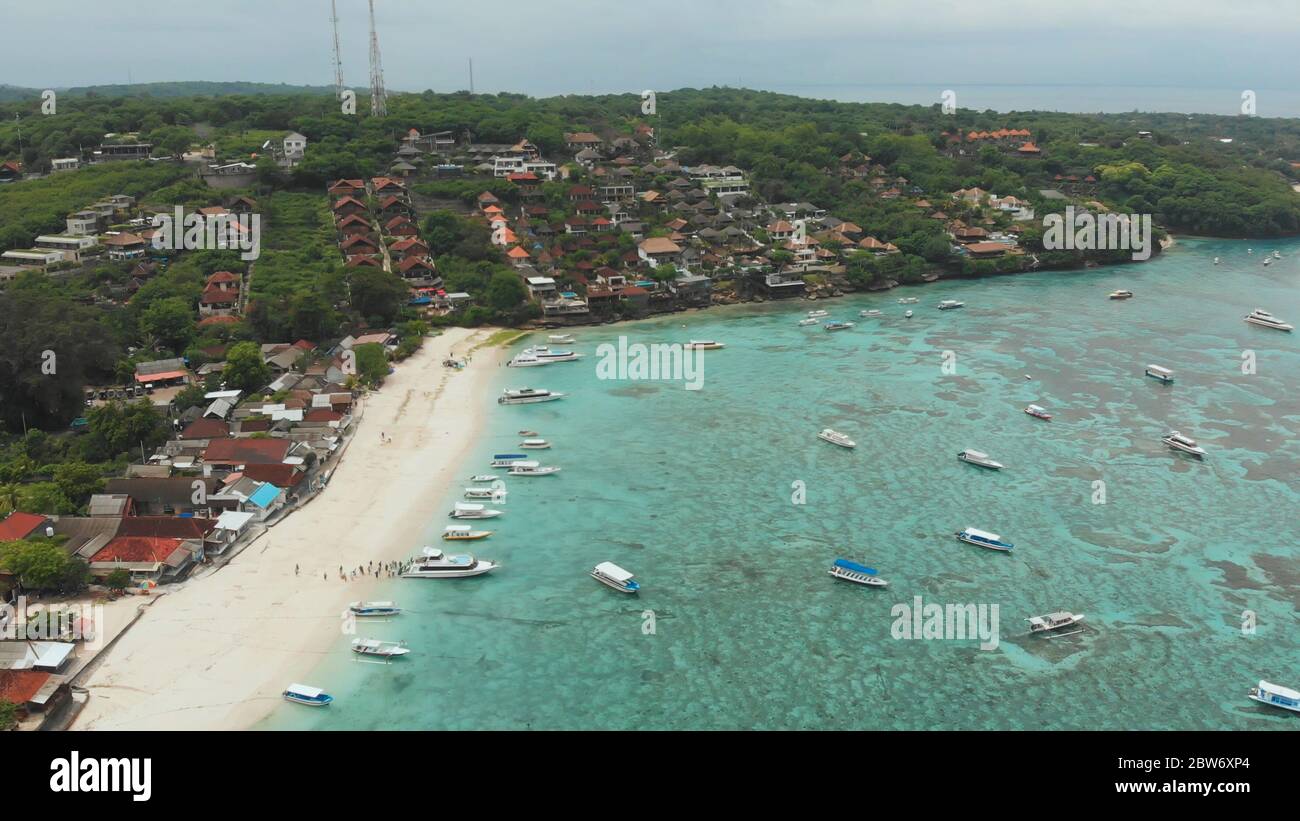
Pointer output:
x,y
19,525
232,453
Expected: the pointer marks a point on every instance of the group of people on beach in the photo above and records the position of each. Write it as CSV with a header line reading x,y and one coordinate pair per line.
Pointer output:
x,y
376,569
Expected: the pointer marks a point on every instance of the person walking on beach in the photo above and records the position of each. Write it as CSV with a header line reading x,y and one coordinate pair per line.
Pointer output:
x,y
295,570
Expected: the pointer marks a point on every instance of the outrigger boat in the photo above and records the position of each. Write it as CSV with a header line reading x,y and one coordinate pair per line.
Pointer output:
x,y
434,564
1275,695
485,493
979,458
464,533
464,510
375,647
531,469
534,444
1038,412
610,574
303,694
373,609
505,460
1163,374
484,477
856,573
1054,621
1186,444
836,438
983,538
704,345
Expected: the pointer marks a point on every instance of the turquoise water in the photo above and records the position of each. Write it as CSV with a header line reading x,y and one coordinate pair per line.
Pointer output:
x,y
692,491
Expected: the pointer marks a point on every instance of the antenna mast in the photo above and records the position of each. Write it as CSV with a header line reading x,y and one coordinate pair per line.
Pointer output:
x,y
378,101
338,59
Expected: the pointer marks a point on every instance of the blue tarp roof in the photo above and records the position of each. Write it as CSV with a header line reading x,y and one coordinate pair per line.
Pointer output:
x,y
854,566
265,495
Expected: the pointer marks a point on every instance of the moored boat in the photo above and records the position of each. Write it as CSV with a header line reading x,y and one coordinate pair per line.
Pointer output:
x,y
1163,374
527,396
1121,294
505,460
836,438
983,538
1038,412
908,300
560,339
375,647
1186,444
531,469
950,304
534,444
1275,695
837,325
704,345
545,354
373,609
485,477
979,458
305,694
610,574
856,573
526,360
818,314
465,510
870,313
1264,319
485,493
810,321
1053,621
907,314
464,533
434,564
529,433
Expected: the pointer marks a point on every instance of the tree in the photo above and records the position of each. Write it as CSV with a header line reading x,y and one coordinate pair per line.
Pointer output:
x,y
170,322
372,362
8,715
245,369
43,564
505,291
78,481
377,293
117,427
118,579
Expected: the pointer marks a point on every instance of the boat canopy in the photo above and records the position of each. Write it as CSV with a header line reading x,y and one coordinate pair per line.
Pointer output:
x,y
534,441
1159,370
304,691
510,456
854,566
1038,408
456,529
982,534
433,552
526,465
975,454
366,604
1278,690
613,572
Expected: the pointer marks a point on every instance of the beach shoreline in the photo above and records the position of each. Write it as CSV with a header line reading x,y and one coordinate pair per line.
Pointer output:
x,y
215,652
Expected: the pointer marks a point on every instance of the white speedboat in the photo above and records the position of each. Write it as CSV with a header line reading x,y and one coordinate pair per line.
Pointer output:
x,y
485,493
1216,260
610,574
464,533
950,304
1268,261
856,573
1186,444
434,564
907,314
373,609
1264,319
527,396
545,354
1053,621
1277,255
485,477
531,469
871,314
526,360
560,339
375,647
976,457
983,538
528,433
534,444
465,510
704,345
818,314
1038,412
836,438
838,326
305,694
1163,374
1121,294
908,300
810,321
1275,695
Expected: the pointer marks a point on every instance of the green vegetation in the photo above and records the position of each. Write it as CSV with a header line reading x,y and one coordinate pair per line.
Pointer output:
x,y
42,564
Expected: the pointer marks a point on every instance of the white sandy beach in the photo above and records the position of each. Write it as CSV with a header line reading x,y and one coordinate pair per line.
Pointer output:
x,y
216,652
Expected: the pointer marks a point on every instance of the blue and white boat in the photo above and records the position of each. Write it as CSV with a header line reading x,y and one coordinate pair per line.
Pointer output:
x,y
311,696
505,460
837,326
856,573
610,574
1276,696
984,539
372,609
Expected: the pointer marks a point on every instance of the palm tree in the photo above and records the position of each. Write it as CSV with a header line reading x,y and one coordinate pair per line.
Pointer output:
x,y
10,497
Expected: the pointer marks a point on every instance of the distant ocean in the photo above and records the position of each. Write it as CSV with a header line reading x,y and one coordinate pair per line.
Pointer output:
x,y
738,624
1079,99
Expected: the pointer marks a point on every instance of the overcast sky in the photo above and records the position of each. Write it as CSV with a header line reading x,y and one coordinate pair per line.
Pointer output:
x,y
545,47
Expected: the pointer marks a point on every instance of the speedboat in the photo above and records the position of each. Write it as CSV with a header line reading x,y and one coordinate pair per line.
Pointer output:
x,y
1266,320
485,493
465,510
908,300
528,433
485,477
527,396
871,313
1163,374
531,469
1053,621
375,647
504,460
984,539
979,458
1121,294
809,321
372,609
434,564
545,354
1277,255
464,533
1275,695
907,314
950,304
1038,412
856,573
1216,260
610,574
704,345
838,326
1268,260
1186,444
534,444
818,314
526,360
560,339
304,694
836,438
